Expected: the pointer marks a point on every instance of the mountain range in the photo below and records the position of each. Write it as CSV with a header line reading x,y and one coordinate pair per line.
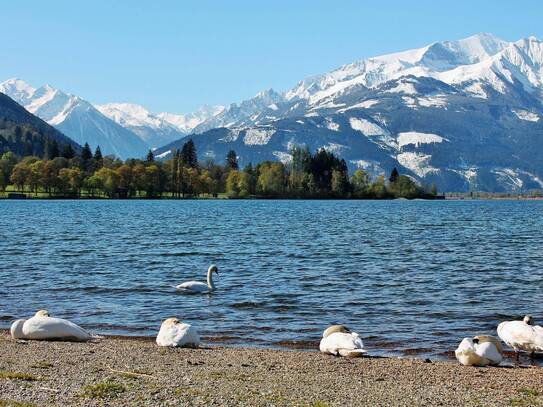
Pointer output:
x,y
465,115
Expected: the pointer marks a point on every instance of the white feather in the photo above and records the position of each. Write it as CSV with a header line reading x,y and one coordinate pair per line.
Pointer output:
x,y
483,354
198,286
342,344
177,334
521,336
49,328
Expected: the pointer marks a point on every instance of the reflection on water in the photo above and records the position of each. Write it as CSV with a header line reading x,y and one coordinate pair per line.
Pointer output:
x,y
410,277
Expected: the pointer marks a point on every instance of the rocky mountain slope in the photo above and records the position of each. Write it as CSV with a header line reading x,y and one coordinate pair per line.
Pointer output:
x,y
25,134
76,118
465,115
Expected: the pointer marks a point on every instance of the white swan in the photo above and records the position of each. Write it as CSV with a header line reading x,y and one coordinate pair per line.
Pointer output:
x,y
177,334
198,286
522,335
43,327
340,341
483,350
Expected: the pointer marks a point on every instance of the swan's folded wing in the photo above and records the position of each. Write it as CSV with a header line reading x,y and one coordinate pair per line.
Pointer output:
x,y
193,285
187,335
357,341
167,336
489,351
341,343
53,328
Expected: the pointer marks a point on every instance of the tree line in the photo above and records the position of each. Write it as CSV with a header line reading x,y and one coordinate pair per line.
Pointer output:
x,y
308,175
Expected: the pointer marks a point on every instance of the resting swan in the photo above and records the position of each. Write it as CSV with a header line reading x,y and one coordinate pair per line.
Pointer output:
x,y
338,340
483,350
43,327
522,335
198,286
177,334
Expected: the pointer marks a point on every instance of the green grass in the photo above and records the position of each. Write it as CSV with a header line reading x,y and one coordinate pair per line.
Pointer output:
x,y
13,403
528,392
104,390
41,364
4,374
528,398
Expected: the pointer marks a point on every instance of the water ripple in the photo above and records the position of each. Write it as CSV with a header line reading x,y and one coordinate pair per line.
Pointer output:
x,y
411,277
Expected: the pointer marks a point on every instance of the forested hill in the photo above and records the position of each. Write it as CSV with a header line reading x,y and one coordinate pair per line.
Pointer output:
x,y
25,134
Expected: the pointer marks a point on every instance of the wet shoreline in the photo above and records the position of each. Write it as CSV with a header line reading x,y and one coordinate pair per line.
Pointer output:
x,y
377,350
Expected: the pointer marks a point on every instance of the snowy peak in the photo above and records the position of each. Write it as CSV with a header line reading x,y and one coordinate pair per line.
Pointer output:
x,y
446,55
18,90
129,114
427,61
186,123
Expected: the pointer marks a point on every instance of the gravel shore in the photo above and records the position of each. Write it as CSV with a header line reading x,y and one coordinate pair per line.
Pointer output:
x,y
123,371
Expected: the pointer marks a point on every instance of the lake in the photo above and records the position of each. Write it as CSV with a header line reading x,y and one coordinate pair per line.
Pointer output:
x,y
411,277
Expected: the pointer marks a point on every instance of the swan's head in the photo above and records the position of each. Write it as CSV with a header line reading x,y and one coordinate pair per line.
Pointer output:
x,y
171,322
335,328
213,269
528,319
42,313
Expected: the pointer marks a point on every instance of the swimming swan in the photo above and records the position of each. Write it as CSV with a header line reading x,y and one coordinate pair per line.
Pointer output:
x,y
43,327
177,334
483,350
522,335
198,286
340,341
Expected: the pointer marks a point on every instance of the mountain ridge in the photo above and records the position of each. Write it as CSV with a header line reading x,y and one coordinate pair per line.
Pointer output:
x,y
76,118
23,133
445,91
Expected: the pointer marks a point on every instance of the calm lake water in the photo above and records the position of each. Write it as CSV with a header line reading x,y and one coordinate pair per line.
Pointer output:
x,y
410,277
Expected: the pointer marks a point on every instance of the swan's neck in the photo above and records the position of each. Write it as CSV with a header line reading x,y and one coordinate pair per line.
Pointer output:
x,y
210,280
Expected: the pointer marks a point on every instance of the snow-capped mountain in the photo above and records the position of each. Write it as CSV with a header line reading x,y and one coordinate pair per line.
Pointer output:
x,y
464,114
76,118
153,129
188,122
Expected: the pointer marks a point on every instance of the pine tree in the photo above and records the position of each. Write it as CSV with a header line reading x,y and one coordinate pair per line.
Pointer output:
x,y
86,153
394,175
188,154
46,148
232,161
53,150
150,157
68,151
98,154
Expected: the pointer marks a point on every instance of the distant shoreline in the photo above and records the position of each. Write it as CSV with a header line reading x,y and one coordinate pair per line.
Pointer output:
x,y
31,197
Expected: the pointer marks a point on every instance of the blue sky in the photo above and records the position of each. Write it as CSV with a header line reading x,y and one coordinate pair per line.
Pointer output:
x,y
178,55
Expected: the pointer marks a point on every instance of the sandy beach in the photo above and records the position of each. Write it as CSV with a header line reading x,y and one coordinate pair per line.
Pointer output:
x,y
123,371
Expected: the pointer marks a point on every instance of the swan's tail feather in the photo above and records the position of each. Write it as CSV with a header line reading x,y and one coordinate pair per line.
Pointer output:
x,y
352,353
